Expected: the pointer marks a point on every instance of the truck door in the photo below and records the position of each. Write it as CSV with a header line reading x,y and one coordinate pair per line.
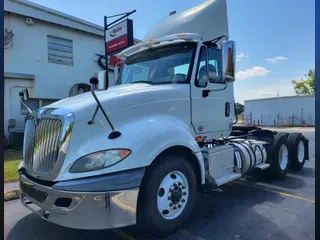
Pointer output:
x,y
212,100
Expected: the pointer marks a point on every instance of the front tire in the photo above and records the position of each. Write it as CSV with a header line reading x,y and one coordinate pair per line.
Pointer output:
x,y
167,195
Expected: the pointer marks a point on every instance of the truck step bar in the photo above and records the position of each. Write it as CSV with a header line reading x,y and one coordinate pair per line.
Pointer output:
x,y
262,166
227,178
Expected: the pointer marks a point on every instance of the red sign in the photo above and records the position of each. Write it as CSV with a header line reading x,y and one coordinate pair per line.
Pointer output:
x,y
119,36
117,43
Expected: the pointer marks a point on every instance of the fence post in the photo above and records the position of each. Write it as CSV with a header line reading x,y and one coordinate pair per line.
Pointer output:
x,y
292,119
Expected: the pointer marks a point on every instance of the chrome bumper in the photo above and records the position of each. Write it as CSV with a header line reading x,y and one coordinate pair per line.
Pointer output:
x,y
80,210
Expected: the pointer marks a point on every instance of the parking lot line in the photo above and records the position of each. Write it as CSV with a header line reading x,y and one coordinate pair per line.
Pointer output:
x,y
277,192
122,234
190,235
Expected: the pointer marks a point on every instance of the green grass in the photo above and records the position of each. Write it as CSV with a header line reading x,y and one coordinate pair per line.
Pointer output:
x,y
11,170
12,159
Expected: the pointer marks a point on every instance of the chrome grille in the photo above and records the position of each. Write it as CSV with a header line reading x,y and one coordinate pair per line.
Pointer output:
x,y
41,144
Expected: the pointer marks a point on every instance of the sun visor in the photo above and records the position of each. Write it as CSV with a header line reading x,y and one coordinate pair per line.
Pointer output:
x,y
208,19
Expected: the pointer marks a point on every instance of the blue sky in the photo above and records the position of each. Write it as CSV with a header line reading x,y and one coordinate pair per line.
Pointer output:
x,y
275,38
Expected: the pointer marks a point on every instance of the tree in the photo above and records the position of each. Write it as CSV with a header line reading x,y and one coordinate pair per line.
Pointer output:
x,y
239,108
307,85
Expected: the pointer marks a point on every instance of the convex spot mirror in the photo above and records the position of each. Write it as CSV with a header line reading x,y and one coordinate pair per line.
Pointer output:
x,y
24,94
228,60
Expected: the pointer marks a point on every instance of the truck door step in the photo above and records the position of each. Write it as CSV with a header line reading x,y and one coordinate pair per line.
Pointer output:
x,y
227,178
262,166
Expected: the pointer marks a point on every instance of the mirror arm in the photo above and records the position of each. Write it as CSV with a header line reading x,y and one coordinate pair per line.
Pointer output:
x,y
205,93
29,110
235,112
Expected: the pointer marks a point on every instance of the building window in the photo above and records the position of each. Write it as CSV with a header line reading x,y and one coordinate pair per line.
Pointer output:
x,y
60,50
35,103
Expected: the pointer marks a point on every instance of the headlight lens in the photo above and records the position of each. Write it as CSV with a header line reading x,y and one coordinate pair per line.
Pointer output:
x,y
99,160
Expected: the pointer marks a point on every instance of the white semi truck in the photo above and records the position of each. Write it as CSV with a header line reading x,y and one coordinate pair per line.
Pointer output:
x,y
138,152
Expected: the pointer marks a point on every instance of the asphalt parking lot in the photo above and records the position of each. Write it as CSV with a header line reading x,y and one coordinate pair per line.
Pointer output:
x,y
250,208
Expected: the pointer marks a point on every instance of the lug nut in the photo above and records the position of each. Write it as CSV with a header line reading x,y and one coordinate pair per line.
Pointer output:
x,y
169,198
174,185
183,187
170,204
184,193
170,190
174,207
182,200
179,183
179,206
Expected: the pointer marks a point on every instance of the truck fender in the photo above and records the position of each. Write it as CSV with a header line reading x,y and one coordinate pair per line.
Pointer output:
x,y
168,132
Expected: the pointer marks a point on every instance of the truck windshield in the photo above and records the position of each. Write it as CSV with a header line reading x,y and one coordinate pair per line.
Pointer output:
x,y
160,65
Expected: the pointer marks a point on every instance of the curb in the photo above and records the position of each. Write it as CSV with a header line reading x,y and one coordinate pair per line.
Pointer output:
x,y
11,195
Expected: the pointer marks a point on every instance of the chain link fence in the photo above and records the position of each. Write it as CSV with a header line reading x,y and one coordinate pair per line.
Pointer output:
x,y
277,120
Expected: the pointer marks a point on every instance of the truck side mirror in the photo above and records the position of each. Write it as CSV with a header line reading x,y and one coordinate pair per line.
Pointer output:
x,y
24,96
229,60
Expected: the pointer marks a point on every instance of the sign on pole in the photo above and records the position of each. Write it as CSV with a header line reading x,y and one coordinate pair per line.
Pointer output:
x,y
119,36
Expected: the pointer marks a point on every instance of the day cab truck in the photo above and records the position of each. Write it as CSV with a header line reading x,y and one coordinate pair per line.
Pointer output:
x,y
140,151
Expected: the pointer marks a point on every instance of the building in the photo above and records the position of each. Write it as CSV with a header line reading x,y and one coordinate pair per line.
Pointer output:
x,y
280,111
47,52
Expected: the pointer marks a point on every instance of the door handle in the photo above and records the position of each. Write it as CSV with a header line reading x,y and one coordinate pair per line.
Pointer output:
x,y
205,93
227,109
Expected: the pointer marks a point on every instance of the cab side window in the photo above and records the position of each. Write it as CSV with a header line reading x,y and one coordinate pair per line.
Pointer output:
x,y
202,79
215,65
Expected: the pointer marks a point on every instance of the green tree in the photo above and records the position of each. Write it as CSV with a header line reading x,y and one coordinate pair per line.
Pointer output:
x,y
239,108
307,85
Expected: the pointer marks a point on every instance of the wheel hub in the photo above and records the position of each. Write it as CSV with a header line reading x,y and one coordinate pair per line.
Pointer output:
x,y
300,152
176,195
172,195
283,156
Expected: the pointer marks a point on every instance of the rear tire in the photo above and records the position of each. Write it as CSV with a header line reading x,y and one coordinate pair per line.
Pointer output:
x,y
167,196
297,151
280,157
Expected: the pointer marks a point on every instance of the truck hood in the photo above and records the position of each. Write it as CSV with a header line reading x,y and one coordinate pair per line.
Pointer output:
x,y
121,96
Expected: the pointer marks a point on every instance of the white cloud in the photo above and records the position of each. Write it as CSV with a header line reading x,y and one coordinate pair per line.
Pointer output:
x,y
276,59
240,56
256,71
264,89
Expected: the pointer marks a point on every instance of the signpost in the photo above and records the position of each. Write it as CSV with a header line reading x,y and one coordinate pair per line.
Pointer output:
x,y
117,35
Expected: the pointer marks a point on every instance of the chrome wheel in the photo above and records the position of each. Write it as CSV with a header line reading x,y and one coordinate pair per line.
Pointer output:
x,y
300,152
173,195
283,156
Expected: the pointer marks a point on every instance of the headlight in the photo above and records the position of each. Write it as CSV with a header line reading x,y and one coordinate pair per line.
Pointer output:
x,y
99,160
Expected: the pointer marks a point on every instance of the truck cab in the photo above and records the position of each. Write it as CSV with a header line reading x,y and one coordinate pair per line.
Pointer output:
x,y
139,152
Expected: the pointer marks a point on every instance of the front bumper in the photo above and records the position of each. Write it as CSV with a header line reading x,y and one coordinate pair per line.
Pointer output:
x,y
80,209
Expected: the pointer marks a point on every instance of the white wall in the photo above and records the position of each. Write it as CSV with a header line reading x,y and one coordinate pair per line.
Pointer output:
x,y
29,55
267,110
12,101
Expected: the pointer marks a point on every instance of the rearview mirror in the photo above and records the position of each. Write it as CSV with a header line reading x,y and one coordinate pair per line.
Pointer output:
x,y
228,60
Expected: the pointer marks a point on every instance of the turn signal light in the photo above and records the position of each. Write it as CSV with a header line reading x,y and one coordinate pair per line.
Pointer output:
x,y
198,138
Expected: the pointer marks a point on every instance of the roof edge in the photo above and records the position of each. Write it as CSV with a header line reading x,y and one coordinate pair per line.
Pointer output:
x,y
274,98
24,7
